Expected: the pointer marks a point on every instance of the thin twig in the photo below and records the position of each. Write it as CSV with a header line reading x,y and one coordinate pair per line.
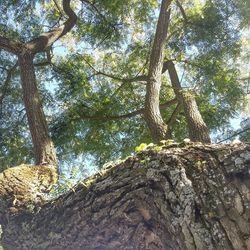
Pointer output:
x,y
128,115
238,133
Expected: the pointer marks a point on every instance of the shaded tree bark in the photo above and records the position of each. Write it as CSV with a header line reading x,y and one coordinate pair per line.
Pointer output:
x,y
42,143
186,196
157,127
197,128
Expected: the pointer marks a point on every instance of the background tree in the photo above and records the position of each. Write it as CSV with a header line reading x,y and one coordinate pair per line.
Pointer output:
x,y
201,60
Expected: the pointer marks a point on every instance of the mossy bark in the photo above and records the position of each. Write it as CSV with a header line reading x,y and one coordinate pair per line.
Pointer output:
x,y
191,196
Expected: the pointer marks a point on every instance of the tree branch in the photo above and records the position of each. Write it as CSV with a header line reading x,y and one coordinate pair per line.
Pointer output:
x,y
139,78
10,45
244,78
174,114
128,115
46,39
41,64
235,134
112,117
58,7
183,13
197,128
93,6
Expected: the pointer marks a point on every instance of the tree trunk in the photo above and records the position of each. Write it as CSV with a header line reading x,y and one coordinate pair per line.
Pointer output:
x,y
43,145
157,127
191,196
197,128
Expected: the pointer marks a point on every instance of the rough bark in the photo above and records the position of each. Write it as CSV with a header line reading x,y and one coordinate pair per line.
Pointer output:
x,y
42,143
157,127
43,146
186,196
14,47
197,128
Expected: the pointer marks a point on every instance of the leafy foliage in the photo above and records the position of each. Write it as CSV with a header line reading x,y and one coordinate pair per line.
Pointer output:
x,y
83,87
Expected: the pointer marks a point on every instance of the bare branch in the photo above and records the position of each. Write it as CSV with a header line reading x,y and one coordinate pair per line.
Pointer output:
x,y
168,103
166,64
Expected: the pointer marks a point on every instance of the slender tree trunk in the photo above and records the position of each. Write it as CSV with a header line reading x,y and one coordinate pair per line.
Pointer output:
x,y
43,146
157,127
194,197
197,128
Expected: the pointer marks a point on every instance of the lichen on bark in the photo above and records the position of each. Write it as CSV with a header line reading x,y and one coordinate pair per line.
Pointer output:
x,y
185,196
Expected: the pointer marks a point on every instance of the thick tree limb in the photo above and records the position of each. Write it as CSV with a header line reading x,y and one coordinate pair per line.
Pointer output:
x,y
43,146
197,128
46,39
11,46
191,196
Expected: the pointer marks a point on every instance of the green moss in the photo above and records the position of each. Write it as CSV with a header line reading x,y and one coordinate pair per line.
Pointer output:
x,y
145,161
141,147
157,148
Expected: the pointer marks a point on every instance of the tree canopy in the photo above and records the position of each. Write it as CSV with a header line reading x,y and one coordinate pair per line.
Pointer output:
x,y
93,77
